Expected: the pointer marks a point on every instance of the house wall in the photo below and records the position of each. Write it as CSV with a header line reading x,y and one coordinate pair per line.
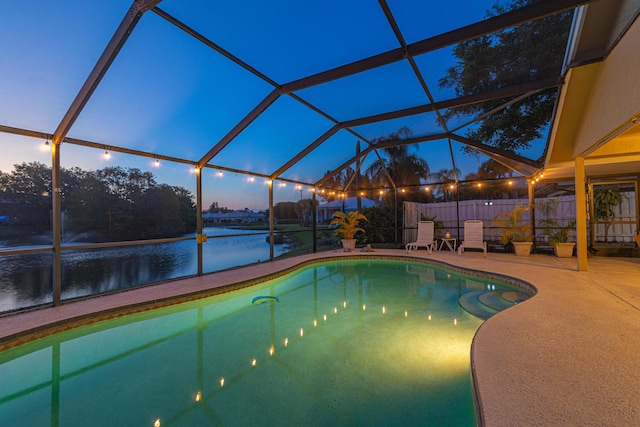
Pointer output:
x,y
615,94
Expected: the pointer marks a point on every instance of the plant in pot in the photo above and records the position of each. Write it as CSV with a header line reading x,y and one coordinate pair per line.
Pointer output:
x,y
512,230
557,233
605,199
347,227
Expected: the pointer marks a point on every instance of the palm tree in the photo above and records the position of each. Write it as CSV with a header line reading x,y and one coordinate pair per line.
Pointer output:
x,y
444,178
405,168
490,169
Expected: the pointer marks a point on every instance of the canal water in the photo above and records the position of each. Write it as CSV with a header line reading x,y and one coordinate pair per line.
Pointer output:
x,y
26,280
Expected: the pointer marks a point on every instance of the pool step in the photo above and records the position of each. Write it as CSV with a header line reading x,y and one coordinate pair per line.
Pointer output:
x,y
515,296
472,304
484,304
494,300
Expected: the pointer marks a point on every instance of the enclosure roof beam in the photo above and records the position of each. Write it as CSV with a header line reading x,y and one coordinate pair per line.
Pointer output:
x,y
309,148
525,14
503,92
513,161
242,125
118,40
193,33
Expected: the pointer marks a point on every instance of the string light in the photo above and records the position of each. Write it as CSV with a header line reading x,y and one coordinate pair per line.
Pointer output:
x,y
106,154
157,163
251,178
220,173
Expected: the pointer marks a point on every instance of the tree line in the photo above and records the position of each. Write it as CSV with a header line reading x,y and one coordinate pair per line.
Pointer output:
x,y
109,204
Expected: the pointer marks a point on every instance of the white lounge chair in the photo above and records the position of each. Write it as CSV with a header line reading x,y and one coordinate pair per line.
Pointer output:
x,y
425,237
473,236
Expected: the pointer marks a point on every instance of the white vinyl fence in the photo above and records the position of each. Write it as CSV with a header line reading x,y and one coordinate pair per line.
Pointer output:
x,y
482,210
625,211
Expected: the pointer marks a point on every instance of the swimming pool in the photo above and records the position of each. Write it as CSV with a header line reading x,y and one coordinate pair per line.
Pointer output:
x,y
349,342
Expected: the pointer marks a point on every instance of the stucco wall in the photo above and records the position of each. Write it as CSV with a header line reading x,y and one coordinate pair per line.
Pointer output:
x,y
615,96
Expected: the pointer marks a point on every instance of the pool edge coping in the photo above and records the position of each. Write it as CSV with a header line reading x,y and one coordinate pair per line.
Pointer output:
x,y
74,321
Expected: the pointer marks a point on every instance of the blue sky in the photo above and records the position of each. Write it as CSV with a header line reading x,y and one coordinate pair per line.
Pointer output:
x,y
168,94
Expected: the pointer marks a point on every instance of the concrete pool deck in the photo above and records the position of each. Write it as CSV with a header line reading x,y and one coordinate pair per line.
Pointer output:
x,y
568,356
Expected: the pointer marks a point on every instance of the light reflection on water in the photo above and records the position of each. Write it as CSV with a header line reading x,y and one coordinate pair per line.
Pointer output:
x,y
26,280
227,361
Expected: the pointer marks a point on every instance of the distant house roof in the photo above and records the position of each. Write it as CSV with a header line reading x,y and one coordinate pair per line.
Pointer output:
x,y
350,204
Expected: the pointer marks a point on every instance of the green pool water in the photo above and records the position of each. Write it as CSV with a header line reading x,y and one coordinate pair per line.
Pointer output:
x,y
351,342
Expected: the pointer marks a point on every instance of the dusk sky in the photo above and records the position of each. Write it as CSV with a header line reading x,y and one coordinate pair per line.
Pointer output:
x,y
168,94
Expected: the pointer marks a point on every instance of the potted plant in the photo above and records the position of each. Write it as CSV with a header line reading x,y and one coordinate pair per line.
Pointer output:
x,y
513,231
557,234
347,227
605,200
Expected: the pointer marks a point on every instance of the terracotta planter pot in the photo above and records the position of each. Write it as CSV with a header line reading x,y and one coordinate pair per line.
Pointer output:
x,y
522,248
564,250
348,244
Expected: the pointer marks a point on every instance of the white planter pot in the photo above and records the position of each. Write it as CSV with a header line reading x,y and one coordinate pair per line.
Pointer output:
x,y
564,250
348,244
522,248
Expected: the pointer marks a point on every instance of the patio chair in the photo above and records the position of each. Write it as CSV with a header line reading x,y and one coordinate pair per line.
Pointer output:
x,y
473,236
425,237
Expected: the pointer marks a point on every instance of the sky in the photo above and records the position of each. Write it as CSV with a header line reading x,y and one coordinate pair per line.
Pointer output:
x,y
168,94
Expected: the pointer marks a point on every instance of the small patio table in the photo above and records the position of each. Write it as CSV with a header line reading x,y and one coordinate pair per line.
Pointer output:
x,y
451,244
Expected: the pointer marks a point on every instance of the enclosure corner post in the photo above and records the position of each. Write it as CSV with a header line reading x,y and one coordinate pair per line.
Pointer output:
x,y
532,211
199,238
56,222
314,219
581,215
271,227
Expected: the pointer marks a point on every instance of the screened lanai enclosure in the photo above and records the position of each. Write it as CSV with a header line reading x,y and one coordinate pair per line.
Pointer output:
x,y
150,140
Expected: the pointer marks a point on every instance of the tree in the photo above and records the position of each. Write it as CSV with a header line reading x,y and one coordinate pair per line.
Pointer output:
x,y
445,179
605,199
25,195
216,208
405,168
285,210
530,51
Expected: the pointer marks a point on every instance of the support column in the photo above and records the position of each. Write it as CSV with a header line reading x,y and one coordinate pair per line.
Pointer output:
x,y
314,220
200,238
532,211
56,222
581,215
395,215
271,226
